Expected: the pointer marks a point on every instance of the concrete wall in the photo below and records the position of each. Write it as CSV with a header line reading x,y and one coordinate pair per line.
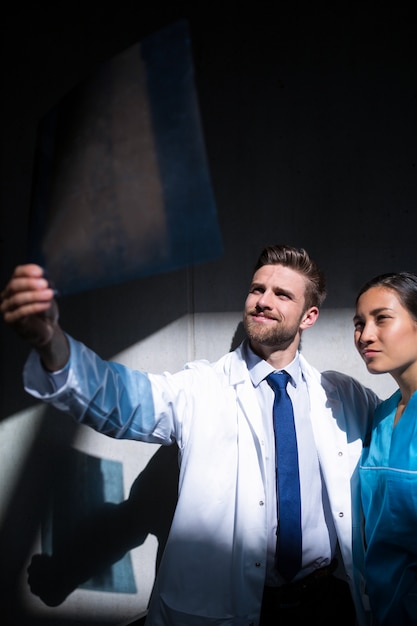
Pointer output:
x,y
310,127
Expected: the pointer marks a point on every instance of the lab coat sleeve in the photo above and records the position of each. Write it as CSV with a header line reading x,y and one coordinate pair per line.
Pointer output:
x,y
111,398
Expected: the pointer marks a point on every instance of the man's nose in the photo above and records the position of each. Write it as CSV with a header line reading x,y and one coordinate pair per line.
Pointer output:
x,y
265,300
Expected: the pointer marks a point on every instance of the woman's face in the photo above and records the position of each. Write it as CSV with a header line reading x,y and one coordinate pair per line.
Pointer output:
x,y
385,334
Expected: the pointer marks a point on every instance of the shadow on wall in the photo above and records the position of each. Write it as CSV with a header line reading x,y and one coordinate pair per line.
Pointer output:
x,y
238,337
102,538
79,548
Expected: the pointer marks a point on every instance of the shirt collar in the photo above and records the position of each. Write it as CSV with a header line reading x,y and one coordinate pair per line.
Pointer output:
x,y
259,369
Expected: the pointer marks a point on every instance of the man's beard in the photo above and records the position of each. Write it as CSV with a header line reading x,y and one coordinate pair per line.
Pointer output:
x,y
276,335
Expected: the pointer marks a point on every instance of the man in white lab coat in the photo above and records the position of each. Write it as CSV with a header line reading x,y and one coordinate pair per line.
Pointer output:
x,y
219,562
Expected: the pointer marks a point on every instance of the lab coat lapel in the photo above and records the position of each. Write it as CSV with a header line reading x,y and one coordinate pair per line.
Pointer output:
x,y
246,402
240,380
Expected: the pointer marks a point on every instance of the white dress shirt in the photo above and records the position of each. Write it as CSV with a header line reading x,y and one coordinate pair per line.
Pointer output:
x,y
318,532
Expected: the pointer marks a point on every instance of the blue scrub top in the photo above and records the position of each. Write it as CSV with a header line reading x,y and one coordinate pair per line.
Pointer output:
x,y
388,476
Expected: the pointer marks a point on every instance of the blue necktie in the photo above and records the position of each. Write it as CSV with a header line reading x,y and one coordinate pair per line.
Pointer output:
x,y
288,558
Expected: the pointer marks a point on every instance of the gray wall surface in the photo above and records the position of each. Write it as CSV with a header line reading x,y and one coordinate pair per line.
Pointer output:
x,y
309,119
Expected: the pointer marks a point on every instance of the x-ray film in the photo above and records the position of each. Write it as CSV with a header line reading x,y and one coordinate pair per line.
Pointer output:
x,y
122,186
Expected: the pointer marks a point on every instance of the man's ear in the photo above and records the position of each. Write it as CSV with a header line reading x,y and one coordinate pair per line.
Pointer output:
x,y
309,318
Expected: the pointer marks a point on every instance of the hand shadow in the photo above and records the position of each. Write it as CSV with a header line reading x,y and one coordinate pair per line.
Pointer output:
x,y
105,536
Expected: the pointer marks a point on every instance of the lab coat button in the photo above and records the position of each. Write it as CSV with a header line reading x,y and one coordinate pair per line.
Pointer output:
x,y
340,453
261,502
341,514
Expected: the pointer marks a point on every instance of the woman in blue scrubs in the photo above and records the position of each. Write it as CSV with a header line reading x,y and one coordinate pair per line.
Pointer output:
x,y
386,337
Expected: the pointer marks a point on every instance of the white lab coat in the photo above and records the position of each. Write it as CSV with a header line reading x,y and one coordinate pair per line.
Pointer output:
x,y
213,568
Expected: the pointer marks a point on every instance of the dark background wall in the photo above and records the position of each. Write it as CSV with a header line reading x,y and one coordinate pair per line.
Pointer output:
x,y
309,118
